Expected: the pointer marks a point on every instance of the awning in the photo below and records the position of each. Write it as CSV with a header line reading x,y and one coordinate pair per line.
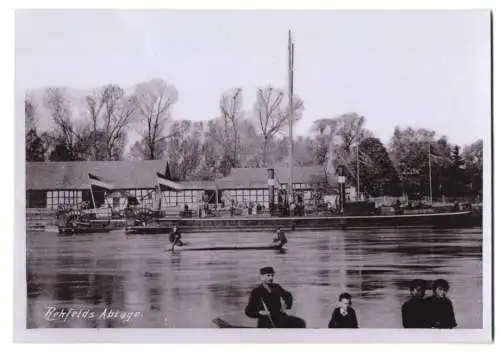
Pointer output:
x,y
166,184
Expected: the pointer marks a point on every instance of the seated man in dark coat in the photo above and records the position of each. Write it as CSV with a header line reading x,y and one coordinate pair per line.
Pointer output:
x,y
265,304
439,307
414,310
344,316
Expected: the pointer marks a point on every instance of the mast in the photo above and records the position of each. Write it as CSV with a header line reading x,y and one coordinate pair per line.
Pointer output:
x,y
357,172
290,107
430,174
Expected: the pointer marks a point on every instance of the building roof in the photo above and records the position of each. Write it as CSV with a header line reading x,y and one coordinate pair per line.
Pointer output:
x,y
73,175
243,178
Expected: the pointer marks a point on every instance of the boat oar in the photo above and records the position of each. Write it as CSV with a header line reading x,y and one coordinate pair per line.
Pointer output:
x,y
173,245
268,312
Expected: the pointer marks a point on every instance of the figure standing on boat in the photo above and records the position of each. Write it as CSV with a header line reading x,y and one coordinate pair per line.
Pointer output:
x,y
266,306
279,239
175,238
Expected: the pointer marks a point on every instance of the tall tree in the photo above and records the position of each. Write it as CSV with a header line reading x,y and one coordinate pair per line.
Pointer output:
x,y
35,147
251,145
95,105
473,160
184,148
64,135
272,113
111,112
155,100
222,139
339,135
230,106
211,149
455,185
377,174
119,111
411,152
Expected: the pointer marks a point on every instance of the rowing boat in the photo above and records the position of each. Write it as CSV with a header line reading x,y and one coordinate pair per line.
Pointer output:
x,y
222,324
147,230
227,248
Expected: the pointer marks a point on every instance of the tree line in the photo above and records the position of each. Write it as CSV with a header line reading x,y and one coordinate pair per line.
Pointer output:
x,y
237,138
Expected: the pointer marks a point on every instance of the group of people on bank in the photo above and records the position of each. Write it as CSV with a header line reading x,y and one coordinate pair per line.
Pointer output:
x,y
436,311
265,305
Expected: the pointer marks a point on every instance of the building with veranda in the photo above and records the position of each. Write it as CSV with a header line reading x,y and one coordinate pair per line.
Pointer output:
x,y
52,184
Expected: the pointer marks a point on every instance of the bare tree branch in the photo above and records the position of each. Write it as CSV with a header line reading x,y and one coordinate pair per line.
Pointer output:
x,y
58,104
339,135
230,106
273,114
155,100
118,112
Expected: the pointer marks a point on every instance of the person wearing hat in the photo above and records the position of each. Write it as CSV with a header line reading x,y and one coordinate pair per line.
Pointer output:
x,y
414,310
440,308
265,304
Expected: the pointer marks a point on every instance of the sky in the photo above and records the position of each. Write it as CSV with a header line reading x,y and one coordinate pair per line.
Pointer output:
x,y
425,69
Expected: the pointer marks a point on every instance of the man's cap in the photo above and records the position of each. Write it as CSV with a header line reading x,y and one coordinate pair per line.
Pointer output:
x,y
267,270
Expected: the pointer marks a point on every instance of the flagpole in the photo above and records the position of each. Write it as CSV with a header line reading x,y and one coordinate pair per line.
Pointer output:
x,y
91,192
430,174
290,102
357,172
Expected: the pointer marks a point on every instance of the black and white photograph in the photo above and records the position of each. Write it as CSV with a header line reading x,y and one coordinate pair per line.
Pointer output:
x,y
236,171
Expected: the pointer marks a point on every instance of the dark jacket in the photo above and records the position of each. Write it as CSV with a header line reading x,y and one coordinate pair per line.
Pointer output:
x,y
348,321
280,239
415,313
440,313
174,236
272,301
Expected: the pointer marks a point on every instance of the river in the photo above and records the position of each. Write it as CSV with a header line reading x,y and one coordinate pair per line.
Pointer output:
x,y
135,283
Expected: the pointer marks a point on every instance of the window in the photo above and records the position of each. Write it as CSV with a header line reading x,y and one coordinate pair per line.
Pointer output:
x,y
36,199
68,197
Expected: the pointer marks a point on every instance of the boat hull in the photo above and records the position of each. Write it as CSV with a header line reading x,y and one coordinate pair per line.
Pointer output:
x,y
82,230
222,324
442,220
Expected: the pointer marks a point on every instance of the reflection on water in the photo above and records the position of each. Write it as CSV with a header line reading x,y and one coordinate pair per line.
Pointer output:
x,y
115,280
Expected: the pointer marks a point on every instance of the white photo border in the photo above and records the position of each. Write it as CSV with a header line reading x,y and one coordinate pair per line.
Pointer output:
x,y
21,334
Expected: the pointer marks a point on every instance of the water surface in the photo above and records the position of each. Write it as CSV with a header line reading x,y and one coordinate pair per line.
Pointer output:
x,y
133,275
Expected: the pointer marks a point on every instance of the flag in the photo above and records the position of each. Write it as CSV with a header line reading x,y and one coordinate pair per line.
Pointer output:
x,y
434,153
364,158
100,182
167,172
166,183
439,157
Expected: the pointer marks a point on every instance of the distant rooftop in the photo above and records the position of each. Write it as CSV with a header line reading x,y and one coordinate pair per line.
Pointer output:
x,y
72,175
257,177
